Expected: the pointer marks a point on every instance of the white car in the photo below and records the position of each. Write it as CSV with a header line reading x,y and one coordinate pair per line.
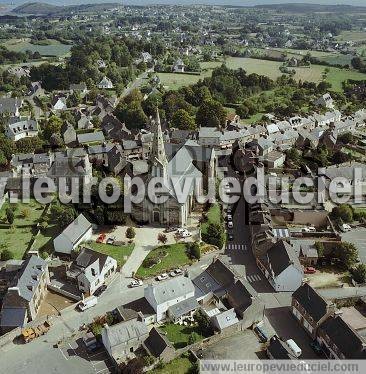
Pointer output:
x,y
230,224
136,283
229,217
345,227
185,234
175,273
162,277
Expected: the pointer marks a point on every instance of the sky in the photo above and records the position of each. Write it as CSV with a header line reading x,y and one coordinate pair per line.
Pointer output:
x,y
218,2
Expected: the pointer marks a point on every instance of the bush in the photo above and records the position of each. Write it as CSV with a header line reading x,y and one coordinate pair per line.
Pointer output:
x,y
10,215
215,235
194,250
130,233
344,212
6,255
359,273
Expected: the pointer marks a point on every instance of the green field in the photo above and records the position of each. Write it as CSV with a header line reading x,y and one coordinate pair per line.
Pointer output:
x,y
119,253
213,216
179,334
25,214
16,240
352,36
180,365
174,81
54,48
176,257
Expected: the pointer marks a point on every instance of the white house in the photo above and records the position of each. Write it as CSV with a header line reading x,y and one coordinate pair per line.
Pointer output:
x,y
79,231
325,101
179,66
91,269
105,83
281,267
19,128
164,295
59,103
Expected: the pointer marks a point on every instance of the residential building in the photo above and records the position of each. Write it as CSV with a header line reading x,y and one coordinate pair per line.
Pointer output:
x,y
159,346
164,295
123,339
25,294
105,83
79,231
10,106
91,270
19,128
310,308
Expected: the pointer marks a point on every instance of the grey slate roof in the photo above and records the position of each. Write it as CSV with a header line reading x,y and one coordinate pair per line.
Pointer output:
x,y
157,342
125,331
172,289
77,228
183,308
314,304
91,137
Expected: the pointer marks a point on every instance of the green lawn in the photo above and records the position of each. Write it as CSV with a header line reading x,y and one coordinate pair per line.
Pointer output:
x,y
181,365
16,240
179,335
25,213
174,81
120,253
176,257
53,48
213,216
44,241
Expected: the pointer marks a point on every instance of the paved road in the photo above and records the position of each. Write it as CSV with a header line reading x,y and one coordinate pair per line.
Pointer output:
x,y
136,83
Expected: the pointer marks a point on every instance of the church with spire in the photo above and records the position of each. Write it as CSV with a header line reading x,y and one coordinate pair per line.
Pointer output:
x,y
173,172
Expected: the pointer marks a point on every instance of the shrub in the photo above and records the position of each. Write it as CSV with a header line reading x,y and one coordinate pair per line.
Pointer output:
x,y
359,273
6,255
194,250
130,233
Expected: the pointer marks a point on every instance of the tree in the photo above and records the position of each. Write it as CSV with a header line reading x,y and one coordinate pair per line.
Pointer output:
x,y
183,120
293,155
203,322
211,114
3,160
25,213
130,233
214,235
162,238
346,253
319,246
357,63
344,212
52,126
62,214
194,250
134,366
340,157
9,215
6,255
359,273
193,338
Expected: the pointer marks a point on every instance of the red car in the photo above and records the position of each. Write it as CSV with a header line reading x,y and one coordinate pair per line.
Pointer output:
x,y
101,238
310,270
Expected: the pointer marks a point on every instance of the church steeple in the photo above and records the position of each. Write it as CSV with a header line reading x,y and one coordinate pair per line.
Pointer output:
x,y
158,160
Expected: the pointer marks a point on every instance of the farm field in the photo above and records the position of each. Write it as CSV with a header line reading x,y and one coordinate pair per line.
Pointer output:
x,y
54,48
354,36
174,81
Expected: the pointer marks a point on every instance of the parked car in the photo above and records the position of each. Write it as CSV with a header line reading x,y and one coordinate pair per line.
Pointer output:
x,y
111,240
185,234
87,303
294,348
100,290
229,217
136,283
101,238
310,270
308,229
162,277
345,227
169,229
262,334
176,272
230,225
230,236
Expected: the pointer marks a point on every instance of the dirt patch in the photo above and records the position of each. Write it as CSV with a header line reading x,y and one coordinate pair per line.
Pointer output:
x,y
326,279
53,303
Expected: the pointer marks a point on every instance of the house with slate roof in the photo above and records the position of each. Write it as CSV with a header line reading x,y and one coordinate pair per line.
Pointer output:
x,y
310,308
91,269
79,231
25,294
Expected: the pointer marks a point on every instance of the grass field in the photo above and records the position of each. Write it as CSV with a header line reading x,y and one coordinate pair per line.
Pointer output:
x,y
179,334
16,239
176,257
213,216
180,365
25,214
54,48
174,81
354,36
120,253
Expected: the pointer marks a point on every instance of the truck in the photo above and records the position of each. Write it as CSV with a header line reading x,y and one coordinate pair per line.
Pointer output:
x,y
30,333
87,303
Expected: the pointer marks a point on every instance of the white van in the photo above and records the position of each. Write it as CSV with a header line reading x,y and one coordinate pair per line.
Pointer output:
x,y
294,348
88,303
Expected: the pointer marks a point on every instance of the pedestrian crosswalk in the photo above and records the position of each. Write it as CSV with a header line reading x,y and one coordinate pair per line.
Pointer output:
x,y
237,247
254,278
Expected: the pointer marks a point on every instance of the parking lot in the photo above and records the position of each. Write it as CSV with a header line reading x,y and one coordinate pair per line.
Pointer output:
x,y
76,356
358,238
